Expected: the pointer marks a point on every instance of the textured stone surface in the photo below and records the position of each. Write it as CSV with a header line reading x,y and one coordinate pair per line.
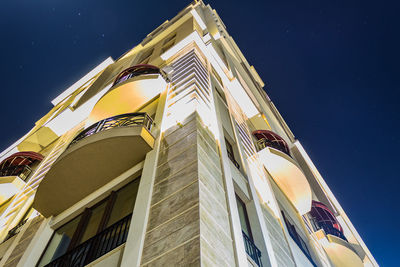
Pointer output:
x,y
216,237
188,254
188,209
174,183
279,244
172,234
173,205
24,242
175,149
177,163
178,134
216,211
210,257
214,187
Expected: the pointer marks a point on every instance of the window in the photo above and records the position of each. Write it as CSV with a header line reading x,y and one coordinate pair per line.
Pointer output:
x,y
93,221
221,95
297,238
244,219
231,155
214,72
251,249
145,57
170,38
168,43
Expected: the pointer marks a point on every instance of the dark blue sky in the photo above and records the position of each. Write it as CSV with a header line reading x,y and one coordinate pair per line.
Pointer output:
x,y
331,67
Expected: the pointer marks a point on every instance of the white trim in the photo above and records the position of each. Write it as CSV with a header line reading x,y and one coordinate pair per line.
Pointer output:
x,y
134,244
198,19
331,197
82,81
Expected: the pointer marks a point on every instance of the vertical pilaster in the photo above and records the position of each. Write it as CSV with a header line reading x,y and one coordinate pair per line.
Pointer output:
x,y
189,222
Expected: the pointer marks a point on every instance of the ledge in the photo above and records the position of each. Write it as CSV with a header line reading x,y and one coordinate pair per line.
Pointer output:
x,y
9,186
340,252
89,164
289,177
130,96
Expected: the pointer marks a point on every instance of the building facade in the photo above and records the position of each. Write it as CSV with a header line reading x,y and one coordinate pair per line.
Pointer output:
x,y
171,155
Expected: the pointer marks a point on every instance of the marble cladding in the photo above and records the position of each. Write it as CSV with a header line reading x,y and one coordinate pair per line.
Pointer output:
x,y
23,242
189,222
278,240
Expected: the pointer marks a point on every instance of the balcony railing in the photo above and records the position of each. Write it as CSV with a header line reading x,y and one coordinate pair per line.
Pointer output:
x,y
16,229
21,171
322,217
330,230
130,119
136,71
252,250
95,247
264,142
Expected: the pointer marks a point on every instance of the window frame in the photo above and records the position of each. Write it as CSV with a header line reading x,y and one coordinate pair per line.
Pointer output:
x,y
246,217
85,217
297,238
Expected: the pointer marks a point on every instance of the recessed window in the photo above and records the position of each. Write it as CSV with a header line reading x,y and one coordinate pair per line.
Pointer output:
x,y
251,249
145,57
214,72
231,154
244,219
168,43
168,39
221,94
297,238
78,236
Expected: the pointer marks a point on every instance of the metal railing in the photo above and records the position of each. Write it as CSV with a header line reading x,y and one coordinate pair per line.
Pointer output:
x,y
232,158
136,71
264,142
16,229
252,250
95,247
330,230
22,171
123,120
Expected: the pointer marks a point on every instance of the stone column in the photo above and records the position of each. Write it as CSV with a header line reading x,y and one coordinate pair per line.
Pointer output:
x,y
189,221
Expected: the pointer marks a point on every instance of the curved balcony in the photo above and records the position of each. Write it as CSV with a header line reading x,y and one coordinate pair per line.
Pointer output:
x,y
330,235
96,156
14,172
323,218
274,154
132,89
270,139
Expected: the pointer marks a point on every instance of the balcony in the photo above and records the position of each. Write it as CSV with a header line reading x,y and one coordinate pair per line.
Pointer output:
x,y
251,249
96,156
270,139
132,89
323,218
330,235
95,247
15,171
275,155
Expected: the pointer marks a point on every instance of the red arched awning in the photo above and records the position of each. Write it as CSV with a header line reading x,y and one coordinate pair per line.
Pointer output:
x,y
21,158
322,214
273,138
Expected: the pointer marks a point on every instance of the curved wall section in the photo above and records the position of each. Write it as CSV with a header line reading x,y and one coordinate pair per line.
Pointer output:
x,y
289,177
131,92
90,163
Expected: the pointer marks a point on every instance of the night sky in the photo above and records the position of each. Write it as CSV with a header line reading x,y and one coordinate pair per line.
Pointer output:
x,y
331,68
